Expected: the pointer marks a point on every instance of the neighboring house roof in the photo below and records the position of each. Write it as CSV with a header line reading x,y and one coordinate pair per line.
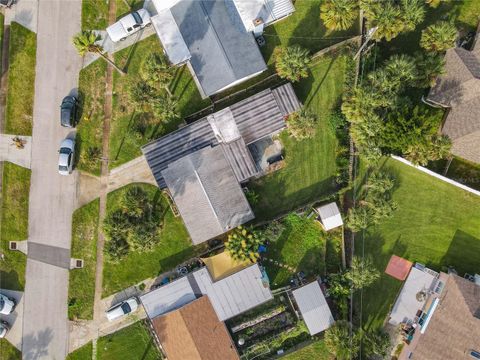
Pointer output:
x,y
313,307
410,299
194,332
454,329
207,194
268,10
398,267
256,117
330,216
229,296
221,54
459,89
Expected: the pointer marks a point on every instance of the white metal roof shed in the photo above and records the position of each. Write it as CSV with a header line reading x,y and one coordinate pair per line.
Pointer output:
x,y
236,293
168,297
313,307
330,216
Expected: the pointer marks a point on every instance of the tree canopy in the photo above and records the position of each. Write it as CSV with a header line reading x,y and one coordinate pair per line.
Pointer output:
x,y
439,37
342,341
339,14
292,63
302,124
242,244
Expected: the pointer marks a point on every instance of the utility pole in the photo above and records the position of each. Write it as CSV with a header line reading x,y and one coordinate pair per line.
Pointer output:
x,y
368,37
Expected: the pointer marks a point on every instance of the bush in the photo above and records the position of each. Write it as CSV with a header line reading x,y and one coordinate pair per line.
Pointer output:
x,y
243,244
302,124
134,225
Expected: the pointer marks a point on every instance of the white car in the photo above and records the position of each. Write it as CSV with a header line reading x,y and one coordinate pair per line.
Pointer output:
x,y
6,304
128,25
4,327
66,156
125,307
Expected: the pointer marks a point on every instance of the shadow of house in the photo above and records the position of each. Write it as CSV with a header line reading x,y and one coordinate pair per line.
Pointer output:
x,y
461,243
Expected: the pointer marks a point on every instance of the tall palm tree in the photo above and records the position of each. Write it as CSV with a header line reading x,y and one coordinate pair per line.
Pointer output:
x,y
429,67
165,108
439,37
86,42
413,13
339,14
386,16
342,341
157,72
292,63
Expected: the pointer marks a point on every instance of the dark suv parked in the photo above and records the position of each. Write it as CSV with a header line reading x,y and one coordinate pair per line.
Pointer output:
x,y
68,111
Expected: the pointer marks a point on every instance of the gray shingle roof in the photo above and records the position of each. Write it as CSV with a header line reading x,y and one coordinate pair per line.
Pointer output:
x,y
459,89
256,117
220,52
207,194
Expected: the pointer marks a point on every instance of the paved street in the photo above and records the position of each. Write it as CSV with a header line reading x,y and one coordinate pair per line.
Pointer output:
x,y
52,197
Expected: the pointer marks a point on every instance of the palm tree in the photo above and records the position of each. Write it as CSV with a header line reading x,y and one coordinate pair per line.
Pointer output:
x,y
292,63
362,273
439,37
384,15
157,72
340,343
378,343
431,148
413,13
142,94
86,42
339,14
382,209
401,68
380,183
429,67
358,219
165,107
302,124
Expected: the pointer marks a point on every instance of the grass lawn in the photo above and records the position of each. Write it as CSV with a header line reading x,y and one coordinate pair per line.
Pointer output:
x,y
125,141
310,164
94,14
84,246
21,80
305,28
173,248
316,350
8,351
90,127
131,343
436,224
14,224
122,9
84,353
301,246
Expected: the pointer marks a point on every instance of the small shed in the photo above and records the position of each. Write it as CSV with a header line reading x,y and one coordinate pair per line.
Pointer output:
x,y
398,267
314,307
329,216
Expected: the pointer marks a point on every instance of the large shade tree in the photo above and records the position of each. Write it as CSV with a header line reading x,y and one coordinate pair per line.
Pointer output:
x,y
339,14
292,63
439,37
87,42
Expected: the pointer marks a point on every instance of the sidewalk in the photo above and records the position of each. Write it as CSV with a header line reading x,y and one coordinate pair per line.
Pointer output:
x,y
9,152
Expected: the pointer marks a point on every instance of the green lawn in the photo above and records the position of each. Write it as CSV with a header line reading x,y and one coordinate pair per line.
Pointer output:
x,y
314,351
125,142
305,28
123,9
14,224
173,248
436,224
90,127
131,343
8,351
21,80
310,168
94,14
84,246
301,246
84,353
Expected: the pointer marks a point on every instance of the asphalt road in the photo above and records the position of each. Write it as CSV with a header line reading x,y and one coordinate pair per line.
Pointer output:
x,y
52,196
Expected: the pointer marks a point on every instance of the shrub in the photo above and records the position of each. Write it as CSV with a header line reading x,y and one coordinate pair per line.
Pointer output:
x,y
302,124
243,244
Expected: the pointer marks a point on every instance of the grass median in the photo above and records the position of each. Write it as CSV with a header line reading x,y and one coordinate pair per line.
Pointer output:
x,y
21,80
14,224
84,246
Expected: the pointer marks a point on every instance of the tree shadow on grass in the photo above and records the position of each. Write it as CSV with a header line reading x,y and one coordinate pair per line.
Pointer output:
x,y
463,254
10,280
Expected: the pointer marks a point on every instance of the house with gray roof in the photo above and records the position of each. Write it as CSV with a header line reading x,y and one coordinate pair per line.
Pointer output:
x,y
212,38
204,163
458,90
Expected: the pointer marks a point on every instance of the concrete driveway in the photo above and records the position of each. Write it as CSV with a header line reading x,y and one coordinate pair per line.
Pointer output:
x,y
52,196
14,336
